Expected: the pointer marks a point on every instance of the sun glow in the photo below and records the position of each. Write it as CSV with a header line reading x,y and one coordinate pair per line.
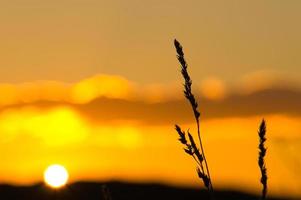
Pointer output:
x,y
56,176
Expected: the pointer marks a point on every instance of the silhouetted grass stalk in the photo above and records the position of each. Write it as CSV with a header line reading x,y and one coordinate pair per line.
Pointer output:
x,y
106,193
191,147
261,162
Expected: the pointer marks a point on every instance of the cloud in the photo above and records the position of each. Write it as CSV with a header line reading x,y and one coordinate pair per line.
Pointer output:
x,y
260,103
34,91
107,98
155,93
213,88
101,86
83,91
86,90
103,109
266,79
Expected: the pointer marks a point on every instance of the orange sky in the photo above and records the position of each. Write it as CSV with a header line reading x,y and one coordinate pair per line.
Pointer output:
x,y
69,40
107,127
96,86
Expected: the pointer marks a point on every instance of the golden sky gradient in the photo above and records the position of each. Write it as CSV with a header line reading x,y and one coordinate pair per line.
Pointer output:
x,y
68,40
107,127
95,86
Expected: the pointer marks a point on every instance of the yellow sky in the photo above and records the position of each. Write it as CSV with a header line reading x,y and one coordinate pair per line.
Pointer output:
x,y
107,127
31,140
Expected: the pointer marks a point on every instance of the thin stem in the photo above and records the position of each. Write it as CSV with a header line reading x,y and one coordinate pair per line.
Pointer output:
x,y
203,153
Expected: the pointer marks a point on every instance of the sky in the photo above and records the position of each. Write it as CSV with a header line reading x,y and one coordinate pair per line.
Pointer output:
x,y
71,40
96,86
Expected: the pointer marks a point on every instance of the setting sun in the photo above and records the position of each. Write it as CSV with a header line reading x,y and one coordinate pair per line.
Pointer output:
x,y
56,176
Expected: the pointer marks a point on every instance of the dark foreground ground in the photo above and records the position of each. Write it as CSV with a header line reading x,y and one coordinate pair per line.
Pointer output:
x,y
118,191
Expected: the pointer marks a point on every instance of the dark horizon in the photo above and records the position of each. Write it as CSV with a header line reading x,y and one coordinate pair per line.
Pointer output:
x,y
92,190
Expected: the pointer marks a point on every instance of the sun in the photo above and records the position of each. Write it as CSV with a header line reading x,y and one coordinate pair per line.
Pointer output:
x,y
56,176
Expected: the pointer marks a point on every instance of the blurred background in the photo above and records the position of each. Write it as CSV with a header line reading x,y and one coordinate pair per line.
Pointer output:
x,y
96,87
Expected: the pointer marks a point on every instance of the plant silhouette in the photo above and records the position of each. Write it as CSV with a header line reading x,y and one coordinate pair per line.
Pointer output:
x,y
191,147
